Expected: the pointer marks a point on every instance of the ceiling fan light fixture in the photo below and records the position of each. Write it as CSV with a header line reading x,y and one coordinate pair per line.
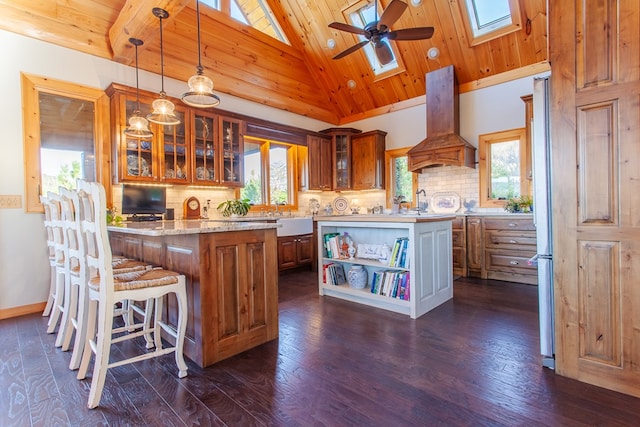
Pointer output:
x,y
200,93
162,113
138,125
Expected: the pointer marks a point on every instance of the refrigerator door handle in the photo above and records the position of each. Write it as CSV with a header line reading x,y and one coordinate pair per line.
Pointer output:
x,y
533,261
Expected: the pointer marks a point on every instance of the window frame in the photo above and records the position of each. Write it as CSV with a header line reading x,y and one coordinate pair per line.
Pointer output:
x,y
474,40
292,176
389,159
32,86
484,154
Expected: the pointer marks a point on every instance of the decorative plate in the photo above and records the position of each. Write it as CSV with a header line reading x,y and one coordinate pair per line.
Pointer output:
x,y
445,202
340,204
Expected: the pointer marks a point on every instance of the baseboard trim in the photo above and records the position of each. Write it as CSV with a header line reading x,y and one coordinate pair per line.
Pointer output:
x,y
7,313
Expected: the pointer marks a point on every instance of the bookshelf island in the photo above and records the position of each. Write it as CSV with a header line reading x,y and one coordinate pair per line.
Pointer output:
x,y
408,260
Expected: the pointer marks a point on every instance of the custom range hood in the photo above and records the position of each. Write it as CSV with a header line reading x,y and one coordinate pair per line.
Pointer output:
x,y
443,144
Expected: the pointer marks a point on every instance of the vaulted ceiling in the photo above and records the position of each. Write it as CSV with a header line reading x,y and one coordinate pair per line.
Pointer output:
x,y
301,78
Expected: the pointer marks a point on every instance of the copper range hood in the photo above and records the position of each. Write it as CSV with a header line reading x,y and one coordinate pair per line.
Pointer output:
x,y
443,144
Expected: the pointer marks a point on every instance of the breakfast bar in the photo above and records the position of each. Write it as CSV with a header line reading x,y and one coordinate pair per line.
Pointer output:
x,y
231,276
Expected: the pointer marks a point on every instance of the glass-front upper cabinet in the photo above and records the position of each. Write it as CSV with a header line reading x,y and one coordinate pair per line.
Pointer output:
x,y
204,149
137,156
341,153
176,150
231,139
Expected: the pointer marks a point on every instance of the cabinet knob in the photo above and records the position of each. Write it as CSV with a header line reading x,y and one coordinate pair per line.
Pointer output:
x,y
513,224
513,262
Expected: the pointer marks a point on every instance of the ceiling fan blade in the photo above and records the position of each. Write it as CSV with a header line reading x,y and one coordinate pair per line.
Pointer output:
x,y
383,52
351,49
391,14
349,28
418,33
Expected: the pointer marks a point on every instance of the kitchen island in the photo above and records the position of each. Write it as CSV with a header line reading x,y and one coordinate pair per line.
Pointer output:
x,y
231,275
412,284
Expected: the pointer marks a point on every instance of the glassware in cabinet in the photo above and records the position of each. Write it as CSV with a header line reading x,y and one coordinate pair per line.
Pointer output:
x,y
231,146
204,146
138,159
176,152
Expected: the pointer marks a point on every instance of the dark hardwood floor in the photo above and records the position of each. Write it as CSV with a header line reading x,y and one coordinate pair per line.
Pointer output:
x,y
472,361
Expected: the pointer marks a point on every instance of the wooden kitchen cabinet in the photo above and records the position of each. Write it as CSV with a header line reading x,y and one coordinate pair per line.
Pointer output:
x,y
475,246
231,138
509,243
295,251
206,164
459,246
341,156
320,165
228,312
367,160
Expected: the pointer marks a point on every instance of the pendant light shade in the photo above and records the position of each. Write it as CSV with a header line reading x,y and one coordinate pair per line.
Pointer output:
x,y
200,93
138,125
162,113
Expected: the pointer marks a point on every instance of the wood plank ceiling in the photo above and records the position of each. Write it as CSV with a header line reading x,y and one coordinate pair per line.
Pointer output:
x,y
301,78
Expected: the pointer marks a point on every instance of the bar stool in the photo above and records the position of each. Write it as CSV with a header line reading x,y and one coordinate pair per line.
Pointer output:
x,y
51,255
55,210
105,289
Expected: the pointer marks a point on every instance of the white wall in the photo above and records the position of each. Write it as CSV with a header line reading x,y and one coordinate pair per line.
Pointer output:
x,y
24,271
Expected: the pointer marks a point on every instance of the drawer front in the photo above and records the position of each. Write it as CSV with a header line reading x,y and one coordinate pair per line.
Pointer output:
x,y
513,262
510,240
457,223
509,224
457,238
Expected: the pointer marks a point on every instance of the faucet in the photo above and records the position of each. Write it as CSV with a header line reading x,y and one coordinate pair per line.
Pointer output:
x,y
418,192
277,212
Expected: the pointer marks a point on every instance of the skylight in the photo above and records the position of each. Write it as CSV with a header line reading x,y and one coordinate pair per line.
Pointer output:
x,y
254,13
362,17
488,19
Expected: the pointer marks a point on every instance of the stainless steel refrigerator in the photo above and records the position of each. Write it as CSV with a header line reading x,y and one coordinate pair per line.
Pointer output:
x,y
542,216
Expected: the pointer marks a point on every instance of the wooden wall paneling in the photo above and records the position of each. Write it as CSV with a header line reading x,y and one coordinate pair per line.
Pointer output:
x,y
599,302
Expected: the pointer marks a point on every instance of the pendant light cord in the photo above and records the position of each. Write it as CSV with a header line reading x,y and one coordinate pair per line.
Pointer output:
x,y
162,92
137,82
199,68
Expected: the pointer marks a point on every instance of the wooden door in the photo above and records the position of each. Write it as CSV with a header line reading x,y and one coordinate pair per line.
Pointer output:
x,y
595,111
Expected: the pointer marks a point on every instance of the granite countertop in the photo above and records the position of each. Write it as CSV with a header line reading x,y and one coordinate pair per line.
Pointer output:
x,y
197,226
386,218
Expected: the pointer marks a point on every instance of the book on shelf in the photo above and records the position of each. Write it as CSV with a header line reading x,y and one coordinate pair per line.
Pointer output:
x,y
333,274
330,248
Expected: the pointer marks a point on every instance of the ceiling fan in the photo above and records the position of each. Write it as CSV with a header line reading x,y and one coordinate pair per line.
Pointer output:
x,y
377,31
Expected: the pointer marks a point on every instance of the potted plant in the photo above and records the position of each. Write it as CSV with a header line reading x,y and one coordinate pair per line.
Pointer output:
x,y
234,207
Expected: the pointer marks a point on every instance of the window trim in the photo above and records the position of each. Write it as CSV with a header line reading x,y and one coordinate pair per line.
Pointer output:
x,y
389,157
32,85
292,167
516,24
484,144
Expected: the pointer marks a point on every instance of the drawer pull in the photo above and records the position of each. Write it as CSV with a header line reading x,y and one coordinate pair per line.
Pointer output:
x,y
513,224
513,262
512,241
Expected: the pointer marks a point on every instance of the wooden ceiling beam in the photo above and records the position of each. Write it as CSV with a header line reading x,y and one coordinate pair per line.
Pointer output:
x,y
137,20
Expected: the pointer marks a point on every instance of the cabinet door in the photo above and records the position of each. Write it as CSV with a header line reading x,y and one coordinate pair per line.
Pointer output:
x,y
341,162
287,252
232,151
304,249
176,152
367,160
320,170
138,157
205,171
474,246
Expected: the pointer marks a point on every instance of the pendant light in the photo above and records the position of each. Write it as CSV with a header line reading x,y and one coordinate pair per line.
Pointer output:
x,y
200,93
138,125
162,113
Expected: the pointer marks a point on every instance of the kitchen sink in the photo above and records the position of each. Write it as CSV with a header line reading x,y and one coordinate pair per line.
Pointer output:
x,y
293,226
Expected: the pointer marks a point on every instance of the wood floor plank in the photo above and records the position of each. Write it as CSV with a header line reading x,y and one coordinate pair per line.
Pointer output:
x,y
472,361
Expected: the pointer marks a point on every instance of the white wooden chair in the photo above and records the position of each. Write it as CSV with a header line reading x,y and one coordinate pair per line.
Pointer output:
x,y
55,211
106,289
84,217
51,252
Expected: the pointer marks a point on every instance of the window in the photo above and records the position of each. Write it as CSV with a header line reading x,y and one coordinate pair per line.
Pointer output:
x,y
63,123
400,182
503,158
360,14
488,19
254,13
269,173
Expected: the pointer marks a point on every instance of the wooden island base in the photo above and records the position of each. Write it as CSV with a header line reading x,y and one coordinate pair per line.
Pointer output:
x,y
232,286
